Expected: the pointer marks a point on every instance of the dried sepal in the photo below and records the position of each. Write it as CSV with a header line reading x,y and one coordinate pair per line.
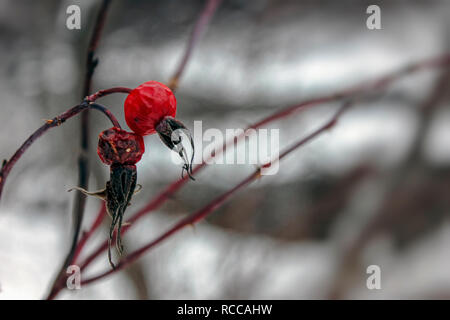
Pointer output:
x,y
170,132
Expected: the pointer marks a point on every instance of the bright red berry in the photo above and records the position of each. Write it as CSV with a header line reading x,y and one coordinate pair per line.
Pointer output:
x,y
117,146
147,105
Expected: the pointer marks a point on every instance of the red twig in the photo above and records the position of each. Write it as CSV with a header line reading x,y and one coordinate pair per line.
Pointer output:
x,y
86,235
199,28
8,165
106,111
102,93
213,205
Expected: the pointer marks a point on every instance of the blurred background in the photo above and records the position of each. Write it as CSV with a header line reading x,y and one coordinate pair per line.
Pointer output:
x,y
372,191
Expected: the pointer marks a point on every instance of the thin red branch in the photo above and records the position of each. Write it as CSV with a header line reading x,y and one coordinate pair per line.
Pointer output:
x,y
199,29
106,111
86,235
99,94
216,203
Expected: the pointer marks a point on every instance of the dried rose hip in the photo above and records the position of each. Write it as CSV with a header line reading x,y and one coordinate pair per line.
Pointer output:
x,y
147,105
117,146
121,150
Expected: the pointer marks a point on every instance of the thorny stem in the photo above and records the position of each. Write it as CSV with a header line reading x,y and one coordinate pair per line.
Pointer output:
x,y
377,84
199,28
216,203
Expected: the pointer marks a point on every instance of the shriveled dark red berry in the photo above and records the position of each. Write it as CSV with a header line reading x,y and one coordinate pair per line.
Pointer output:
x,y
147,105
117,146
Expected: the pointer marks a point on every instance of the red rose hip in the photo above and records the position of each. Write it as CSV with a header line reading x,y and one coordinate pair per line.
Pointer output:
x,y
117,146
151,108
147,105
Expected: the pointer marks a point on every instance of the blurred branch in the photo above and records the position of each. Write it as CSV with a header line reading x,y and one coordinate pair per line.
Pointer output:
x,y
414,156
401,191
83,165
86,235
199,29
311,222
137,274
